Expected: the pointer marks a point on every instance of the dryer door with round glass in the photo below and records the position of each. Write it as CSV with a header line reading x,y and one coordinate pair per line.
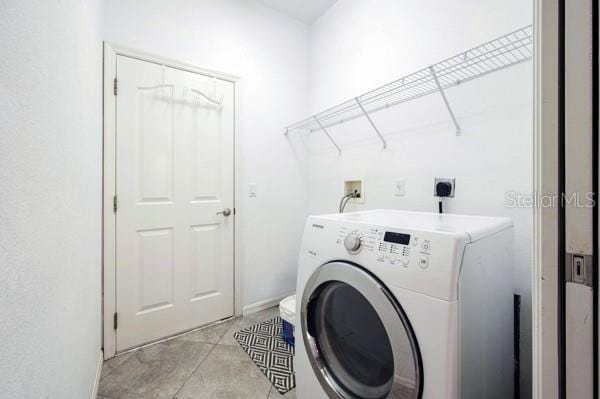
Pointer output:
x,y
358,339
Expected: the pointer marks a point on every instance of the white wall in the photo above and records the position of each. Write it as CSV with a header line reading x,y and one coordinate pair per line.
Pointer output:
x,y
50,146
268,51
360,44
50,201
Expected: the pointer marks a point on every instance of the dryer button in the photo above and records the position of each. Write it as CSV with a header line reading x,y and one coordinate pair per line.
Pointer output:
x,y
424,262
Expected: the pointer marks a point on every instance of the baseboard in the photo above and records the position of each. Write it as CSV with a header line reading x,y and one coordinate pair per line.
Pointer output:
x,y
264,304
98,375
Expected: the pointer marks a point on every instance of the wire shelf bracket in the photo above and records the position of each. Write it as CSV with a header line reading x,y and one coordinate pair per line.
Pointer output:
x,y
437,83
497,54
371,122
328,135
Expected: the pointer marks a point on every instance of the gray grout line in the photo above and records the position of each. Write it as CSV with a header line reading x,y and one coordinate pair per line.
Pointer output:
x,y
214,345
102,378
105,375
223,337
132,354
192,373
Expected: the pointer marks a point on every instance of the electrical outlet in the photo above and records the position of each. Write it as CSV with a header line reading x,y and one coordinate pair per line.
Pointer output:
x,y
450,180
399,188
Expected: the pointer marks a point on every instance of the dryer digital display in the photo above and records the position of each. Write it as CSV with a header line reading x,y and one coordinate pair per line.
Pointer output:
x,y
396,238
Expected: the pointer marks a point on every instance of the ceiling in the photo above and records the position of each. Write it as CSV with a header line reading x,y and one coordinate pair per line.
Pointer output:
x,y
307,11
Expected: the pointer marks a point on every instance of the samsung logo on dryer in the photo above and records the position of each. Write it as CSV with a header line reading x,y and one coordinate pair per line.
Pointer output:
x,y
318,226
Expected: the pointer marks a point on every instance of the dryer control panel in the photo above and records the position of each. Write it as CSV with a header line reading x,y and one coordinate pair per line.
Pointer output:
x,y
421,260
387,246
421,252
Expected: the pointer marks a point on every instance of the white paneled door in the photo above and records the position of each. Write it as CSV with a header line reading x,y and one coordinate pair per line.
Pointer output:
x,y
174,190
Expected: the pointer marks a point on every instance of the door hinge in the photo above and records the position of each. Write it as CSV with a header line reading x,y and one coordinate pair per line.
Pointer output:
x,y
115,320
115,203
115,86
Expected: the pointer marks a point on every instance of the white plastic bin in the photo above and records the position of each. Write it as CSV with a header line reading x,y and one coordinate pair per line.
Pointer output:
x,y
287,311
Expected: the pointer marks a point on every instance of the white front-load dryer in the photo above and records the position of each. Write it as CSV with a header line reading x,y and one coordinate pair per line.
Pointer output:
x,y
409,305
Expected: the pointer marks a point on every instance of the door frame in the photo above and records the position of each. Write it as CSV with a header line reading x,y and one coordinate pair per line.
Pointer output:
x,y
111,52
549,374
545,284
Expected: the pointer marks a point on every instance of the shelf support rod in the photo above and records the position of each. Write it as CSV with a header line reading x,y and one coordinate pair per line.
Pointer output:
x,y
443,94
364,111
327,134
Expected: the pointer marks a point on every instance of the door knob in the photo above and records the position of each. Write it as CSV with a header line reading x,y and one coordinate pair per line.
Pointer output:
x,y
225,212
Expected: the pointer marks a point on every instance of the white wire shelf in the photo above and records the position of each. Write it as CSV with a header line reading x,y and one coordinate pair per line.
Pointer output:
x,y
503,52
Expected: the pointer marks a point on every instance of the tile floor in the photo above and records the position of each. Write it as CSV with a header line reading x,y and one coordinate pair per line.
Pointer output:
x,y
207,363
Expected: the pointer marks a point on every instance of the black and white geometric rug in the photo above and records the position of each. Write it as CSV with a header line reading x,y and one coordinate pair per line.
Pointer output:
x,y
273,356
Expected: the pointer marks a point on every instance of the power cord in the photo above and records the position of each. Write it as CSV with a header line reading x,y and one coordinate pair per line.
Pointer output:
x,y
442,189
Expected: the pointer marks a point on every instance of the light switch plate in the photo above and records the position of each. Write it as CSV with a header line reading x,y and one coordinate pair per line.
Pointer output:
x,y
399,188
251,190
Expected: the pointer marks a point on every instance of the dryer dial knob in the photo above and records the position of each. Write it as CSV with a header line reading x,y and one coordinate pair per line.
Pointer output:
x,y
353,242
